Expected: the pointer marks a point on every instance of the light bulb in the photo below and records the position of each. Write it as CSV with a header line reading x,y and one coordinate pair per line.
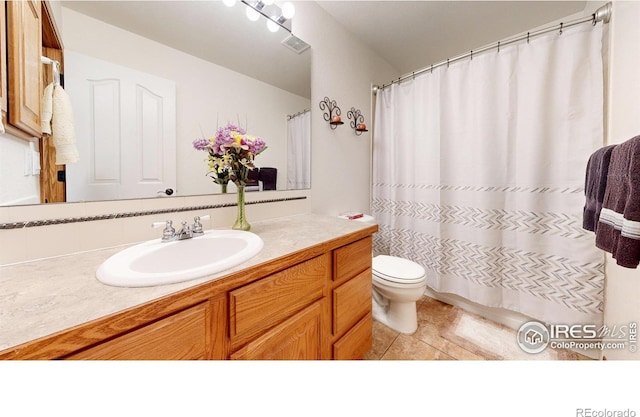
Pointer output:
x,y
271,25
288,10
252,14
229,3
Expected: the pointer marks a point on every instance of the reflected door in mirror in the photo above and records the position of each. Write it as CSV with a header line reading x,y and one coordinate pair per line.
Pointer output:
x,y
125,124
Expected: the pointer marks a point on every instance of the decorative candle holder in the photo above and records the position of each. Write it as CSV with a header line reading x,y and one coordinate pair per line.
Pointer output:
x,y
358,121
331,112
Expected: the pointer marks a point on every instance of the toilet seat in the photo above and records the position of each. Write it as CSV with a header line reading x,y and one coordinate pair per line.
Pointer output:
x,y
397,270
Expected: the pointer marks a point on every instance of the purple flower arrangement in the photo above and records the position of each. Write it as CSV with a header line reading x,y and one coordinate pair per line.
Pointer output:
x,y
230,154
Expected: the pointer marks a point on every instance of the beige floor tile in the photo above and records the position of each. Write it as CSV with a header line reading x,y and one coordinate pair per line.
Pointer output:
x,y
383,337
430,334
406,347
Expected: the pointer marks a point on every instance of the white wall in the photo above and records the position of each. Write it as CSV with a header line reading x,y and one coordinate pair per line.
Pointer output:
x,y
343,69
622,293
15,186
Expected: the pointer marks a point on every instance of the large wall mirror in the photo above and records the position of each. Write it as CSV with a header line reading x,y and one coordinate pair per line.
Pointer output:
x,y
147,78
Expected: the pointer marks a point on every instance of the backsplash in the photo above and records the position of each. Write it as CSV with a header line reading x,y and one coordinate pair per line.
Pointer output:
x,y
42,231
48,222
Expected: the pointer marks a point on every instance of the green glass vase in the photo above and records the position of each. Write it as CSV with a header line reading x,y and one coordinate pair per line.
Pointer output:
x,y
241,219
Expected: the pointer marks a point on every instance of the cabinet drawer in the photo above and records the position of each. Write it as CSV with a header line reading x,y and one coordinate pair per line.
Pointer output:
x,y
298,338
352,259
256,307
357,342
180,336
351,301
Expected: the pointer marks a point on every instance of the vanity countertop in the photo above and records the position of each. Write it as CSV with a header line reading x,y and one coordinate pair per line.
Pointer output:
x,y
43,297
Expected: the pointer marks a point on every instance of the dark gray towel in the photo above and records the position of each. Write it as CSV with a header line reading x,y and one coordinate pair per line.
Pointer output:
x,y
595,185
618,230
268,176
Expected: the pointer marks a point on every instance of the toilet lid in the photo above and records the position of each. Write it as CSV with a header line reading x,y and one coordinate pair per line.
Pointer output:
x,y
392,268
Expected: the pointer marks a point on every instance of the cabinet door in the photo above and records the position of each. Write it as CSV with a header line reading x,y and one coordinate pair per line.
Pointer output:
x,y
298,338
351,259
351,301
24,34
183,335
356,342
260,305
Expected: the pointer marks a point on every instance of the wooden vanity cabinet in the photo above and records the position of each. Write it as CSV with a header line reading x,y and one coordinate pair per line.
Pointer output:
x,y
310,305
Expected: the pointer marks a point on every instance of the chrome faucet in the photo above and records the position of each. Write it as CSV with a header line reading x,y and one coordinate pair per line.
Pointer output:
x,y
187,232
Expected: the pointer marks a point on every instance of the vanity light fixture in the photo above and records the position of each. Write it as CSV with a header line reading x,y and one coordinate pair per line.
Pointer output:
x,y
358,121
332,112
276,17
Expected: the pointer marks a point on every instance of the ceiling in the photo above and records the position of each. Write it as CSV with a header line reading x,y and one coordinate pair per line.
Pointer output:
x,y
410,35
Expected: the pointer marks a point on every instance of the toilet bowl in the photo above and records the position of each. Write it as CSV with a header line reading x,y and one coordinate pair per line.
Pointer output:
x,y
397,284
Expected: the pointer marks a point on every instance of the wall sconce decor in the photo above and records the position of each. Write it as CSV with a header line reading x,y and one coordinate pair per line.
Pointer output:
x,y
358,121
331,112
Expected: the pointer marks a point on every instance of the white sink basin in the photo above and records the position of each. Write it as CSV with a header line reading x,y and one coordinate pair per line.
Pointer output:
x,y
157,263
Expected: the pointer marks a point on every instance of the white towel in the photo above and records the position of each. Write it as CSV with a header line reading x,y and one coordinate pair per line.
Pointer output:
x,y
63,130
46,109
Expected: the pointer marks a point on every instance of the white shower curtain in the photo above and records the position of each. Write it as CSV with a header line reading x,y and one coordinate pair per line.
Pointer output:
x,y
299,152
479,172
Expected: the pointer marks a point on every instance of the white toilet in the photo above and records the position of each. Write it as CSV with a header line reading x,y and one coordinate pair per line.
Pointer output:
x,y
397,284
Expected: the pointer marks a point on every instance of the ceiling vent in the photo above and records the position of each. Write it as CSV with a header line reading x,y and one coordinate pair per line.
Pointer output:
x,y
296,44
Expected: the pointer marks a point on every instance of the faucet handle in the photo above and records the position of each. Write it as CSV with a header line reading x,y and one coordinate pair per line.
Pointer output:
x,y
169,232
197,226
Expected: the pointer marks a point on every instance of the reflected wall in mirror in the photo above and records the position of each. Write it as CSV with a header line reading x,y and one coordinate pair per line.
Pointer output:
x,y
223,68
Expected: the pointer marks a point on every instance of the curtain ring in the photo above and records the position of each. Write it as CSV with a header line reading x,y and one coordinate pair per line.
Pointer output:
x,y
593,19
432,68
498,46
527,37
472,54
561,24
413,75
447,62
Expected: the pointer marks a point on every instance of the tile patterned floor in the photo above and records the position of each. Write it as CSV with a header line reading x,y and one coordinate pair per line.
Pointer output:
x,y
447,332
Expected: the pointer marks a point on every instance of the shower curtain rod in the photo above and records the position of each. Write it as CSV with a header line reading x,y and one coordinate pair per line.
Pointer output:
x,y
291,116
603,14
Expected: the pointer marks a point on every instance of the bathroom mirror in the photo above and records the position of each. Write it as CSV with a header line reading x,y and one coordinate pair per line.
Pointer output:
x,y
222,66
